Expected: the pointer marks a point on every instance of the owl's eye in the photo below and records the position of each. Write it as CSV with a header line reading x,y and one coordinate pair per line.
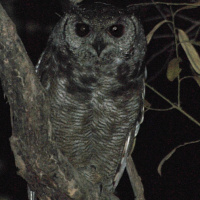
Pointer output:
x,y
82,29
116,30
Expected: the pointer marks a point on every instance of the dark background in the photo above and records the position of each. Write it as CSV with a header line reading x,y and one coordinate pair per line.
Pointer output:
x,y
160,131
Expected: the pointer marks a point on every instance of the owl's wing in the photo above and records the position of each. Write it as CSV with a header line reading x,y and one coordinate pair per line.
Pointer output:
x,y
124,157
45,61
37,67
128,142
46,67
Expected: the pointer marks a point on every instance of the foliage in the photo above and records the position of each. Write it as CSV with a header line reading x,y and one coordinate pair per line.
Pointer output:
x,y
180,39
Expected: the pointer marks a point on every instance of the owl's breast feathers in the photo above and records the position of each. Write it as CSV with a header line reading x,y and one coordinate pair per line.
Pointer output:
x,y
95,113
95,120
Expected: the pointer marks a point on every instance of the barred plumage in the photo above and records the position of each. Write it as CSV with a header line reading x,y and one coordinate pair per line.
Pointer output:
x,y
94,74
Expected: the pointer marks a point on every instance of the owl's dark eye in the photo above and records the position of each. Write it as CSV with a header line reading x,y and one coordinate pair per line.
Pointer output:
x,y
82,29
116,30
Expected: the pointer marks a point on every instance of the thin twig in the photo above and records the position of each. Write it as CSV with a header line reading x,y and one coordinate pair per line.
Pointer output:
x,y
158,109
196,23
162,68
177,55
197,33
173,105
188,19
167,4
162,36
169,155
186,77
192,28
155,18
159,52
135,179
162,14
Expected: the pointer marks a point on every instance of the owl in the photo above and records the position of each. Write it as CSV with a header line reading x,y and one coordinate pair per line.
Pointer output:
x,y
93,71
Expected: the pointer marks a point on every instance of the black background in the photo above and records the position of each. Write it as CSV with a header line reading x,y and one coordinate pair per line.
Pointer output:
x,y
160,131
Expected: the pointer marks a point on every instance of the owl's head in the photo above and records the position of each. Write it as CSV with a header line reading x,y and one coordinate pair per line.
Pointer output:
x,y
100,33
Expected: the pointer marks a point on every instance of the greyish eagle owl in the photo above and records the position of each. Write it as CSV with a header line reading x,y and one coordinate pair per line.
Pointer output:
x,y
93,71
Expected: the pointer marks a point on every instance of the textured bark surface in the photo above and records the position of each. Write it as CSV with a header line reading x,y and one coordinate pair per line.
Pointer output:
x,y
36,156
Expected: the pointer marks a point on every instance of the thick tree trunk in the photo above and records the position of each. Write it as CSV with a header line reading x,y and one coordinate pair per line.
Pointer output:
x,y
36,156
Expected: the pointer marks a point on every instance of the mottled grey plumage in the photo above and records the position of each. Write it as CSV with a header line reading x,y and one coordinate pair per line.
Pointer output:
x,y
93,72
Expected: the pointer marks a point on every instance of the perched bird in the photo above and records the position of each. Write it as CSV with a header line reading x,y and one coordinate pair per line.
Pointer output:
x,y
93,71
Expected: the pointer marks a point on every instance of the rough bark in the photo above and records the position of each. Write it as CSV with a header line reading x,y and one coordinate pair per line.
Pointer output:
x,y
135,179
36,156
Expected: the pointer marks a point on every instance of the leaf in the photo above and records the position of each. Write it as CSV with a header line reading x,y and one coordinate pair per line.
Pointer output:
x,y
147,104
150,35
197,79
194,5
173,69
169,155
190,51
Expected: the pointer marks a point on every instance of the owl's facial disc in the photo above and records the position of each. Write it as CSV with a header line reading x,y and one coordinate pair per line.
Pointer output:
x,y
83,30
100,34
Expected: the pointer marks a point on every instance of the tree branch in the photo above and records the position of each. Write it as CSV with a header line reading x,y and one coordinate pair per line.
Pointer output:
x,y
135,179
39,162
173,105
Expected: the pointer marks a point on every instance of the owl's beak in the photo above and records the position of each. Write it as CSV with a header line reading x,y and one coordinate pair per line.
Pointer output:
x,y
99,46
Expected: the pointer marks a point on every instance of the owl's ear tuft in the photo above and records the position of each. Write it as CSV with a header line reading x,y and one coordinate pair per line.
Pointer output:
x,y
67,4
71,2
132,9
75,1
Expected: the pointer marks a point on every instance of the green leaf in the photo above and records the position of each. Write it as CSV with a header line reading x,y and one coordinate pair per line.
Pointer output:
x,y
150,35
190,51
173,69
197,79
147,104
